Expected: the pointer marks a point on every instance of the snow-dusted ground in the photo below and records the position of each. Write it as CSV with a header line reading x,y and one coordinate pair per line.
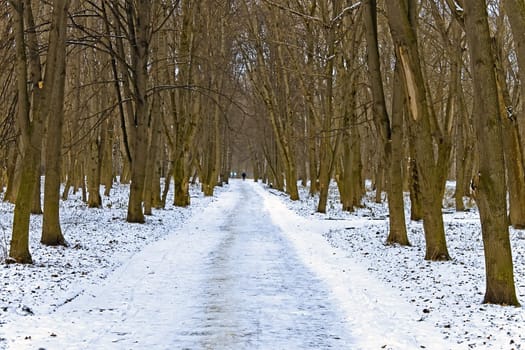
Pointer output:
x,y
250,269
446,295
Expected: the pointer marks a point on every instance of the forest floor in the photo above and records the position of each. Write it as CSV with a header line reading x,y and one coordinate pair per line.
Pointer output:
x,y
249,269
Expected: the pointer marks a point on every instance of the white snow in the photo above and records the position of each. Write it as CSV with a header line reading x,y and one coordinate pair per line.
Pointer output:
x,y
346,9
459,8
249,269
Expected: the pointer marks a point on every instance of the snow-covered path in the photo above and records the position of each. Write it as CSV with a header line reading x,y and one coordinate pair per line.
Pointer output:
x,y
255,293
229,279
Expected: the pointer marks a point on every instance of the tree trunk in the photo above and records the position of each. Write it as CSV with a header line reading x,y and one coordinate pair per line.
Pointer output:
x,y
396,204
167,181
94,171
31,129
426,135
511,146
461,155
138,173
324,176
181,182
107,141
312,155
153,151
379,112
51,230
73,171
36,206
139,53
357,182
39,106
13,173
329,144
490,192
19,248
515,11
345,177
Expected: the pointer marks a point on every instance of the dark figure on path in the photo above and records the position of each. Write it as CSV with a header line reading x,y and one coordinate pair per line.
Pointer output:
x,y
243,176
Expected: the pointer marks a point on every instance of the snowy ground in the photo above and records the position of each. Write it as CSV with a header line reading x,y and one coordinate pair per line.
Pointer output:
x,y
446,295
250,269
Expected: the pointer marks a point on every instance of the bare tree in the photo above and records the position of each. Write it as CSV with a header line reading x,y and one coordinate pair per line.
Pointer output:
x,y
31,116
425,131
397,230
56,68
490,189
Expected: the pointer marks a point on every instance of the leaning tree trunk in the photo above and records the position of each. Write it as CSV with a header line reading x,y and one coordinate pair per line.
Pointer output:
x,y
490,191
